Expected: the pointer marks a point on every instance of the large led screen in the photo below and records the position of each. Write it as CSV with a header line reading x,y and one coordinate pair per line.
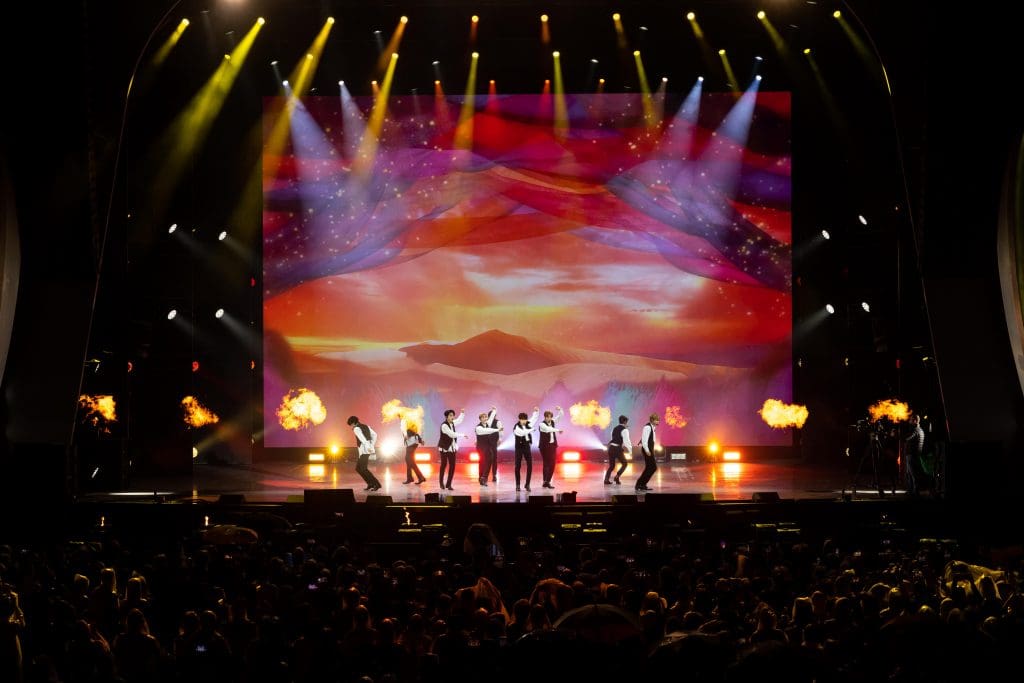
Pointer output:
x,y
623,254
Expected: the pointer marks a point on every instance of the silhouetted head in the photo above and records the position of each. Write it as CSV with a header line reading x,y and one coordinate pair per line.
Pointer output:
x,y
353,421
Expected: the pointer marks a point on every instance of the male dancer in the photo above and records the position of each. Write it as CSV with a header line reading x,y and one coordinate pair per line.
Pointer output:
x,y
447,445
366,439
524,438
492,447
412,442
617,449
549,443
647,448
487,435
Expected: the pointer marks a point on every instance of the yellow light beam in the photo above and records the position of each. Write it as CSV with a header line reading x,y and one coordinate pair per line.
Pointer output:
x,y
371,136
777,40
561,111
729,74
620,32
545,30
299,79
169,44
861,48
645,91
705,48
464,128
392,46
190,128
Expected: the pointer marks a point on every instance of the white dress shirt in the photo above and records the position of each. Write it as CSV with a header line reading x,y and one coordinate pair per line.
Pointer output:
x,y
647,433
366,446
549,428
448,430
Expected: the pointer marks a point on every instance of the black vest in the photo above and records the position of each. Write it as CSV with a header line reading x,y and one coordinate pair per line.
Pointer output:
x,y
549,438
650,440
524,440
365,430
617,437
482,440
492,439
445,442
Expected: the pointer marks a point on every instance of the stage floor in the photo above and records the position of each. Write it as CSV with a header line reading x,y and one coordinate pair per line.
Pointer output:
x,y
736,481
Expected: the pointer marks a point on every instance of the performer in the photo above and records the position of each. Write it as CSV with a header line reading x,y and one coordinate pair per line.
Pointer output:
x,y
912,455
647,448
487,434
549,444
618,446
524,439
491,463
412,441
447,445
366,438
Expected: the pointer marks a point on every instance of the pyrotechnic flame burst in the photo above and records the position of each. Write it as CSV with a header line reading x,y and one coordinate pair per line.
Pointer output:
x,y
300,409
196,414
674,417
411,418
779,415
99,409
890,408
590,414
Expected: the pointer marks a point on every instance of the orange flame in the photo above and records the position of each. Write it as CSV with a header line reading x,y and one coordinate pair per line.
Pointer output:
x,y
779,415
590,414
890,408
674,417
99,409
301,408
410,418
196,414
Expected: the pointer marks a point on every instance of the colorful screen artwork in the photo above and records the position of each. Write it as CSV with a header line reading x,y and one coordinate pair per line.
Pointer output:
x,y
524,250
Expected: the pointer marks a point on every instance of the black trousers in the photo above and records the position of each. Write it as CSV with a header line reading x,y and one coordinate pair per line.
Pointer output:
x,y
447,461
650,467
523,453
547,455
615,455
363,469
411,467
488,461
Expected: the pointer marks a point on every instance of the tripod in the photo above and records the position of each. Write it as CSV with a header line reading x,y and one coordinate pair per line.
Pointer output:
x,y
872,453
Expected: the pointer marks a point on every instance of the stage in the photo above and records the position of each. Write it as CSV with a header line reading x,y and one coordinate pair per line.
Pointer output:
x,y
279,482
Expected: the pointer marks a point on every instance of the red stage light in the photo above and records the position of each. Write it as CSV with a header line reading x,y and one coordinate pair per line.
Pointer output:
x,y
195,366
570,456
731,455
421,456
474,457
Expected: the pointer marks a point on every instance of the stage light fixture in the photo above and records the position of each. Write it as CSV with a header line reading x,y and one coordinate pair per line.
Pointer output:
x,y
700,78
330,20
837,14
476,55
437,82
866,306
761,15
273,63
616,16
643,28
593,61
474,457
334,449
664,79
636,53
170,230
826,235
732,456
830,309
475,19
172,314
261,21
195,452
722,52
544,18
435,63
601,81
404,19
759,58
690,16
556,54
316,457
341,83
807,50
713,447
863,221
758,77
219,313
285,83
570,456
222,236
421,456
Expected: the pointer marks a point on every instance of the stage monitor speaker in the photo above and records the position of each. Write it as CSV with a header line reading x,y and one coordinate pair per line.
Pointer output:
x,y
231,499
379,500
323,503
432,498
569,497
765,497
541,500
625,498
459,500
674,498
